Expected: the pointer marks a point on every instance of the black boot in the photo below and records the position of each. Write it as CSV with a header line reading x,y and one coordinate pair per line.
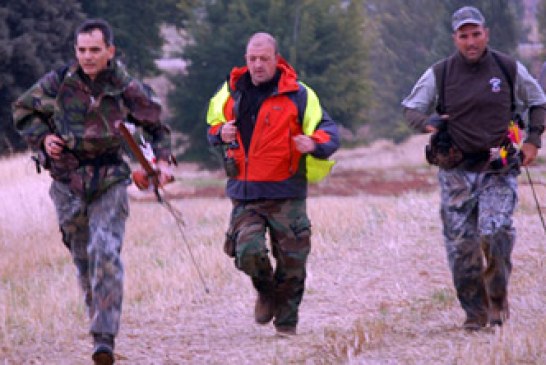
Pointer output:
x,y
103,349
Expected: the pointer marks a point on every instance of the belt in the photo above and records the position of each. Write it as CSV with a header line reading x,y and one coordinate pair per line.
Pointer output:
x,y
102,160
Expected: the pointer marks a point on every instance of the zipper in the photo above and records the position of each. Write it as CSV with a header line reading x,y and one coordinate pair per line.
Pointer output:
x,y
290,169
246,176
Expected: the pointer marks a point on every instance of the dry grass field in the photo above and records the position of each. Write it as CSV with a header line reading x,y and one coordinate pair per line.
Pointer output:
x,y
378,290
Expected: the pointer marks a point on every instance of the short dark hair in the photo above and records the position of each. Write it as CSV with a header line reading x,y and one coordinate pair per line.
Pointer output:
x,y
90,25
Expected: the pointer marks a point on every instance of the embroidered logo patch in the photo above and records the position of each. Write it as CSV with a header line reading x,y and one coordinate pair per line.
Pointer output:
x,y
495,84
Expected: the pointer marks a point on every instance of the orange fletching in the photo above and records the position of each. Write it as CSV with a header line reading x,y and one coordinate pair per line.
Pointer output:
x,y
514,133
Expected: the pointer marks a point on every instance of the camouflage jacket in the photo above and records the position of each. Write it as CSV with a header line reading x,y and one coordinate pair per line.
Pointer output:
x,y
83,113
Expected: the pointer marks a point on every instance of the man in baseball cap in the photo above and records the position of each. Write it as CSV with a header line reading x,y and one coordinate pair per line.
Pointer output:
x,y
478,196
466,15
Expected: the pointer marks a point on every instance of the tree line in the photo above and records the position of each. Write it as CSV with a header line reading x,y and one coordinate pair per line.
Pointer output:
x,y
362,57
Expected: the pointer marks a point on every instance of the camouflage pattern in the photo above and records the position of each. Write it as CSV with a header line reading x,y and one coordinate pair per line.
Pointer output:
x,y
83,113
93,232
476,211
289,232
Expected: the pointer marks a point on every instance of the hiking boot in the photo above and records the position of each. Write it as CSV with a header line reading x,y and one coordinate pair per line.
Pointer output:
x,y
286,331
103,350
103,355
497,316
474,324
264,308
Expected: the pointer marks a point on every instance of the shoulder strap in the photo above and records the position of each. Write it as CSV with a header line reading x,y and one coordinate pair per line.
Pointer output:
x,y
440,85
506,74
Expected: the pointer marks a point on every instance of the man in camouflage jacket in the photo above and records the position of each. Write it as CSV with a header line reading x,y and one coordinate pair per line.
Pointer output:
x,y
69,118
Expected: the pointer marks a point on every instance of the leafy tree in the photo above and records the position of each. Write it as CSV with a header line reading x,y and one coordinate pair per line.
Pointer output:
x,y
324,41
406,35
35,37
541,19
331,54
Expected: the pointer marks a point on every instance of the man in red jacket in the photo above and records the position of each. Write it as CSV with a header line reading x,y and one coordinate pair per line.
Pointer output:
x,y
279,138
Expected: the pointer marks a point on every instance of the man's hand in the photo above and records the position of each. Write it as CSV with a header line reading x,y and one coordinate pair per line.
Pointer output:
x,y
228,132
430,129
164,176
304,144
53,146
434,122
140,178
529,152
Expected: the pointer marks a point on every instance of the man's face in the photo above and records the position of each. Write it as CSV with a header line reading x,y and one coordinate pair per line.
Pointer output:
x,y
471,40
261,61
92,52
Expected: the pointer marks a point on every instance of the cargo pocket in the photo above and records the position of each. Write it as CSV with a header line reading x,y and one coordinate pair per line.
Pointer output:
x,y
301,228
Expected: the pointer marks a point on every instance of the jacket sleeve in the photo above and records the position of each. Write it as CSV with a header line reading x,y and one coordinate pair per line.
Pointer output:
x,y
33,110
144,110
420,101
326,137
317,124
530,96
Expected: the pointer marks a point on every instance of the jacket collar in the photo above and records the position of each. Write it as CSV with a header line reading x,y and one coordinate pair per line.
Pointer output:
x,y
288,81
114,78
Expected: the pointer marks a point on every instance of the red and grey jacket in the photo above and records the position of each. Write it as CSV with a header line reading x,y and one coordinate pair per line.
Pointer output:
x,y
273,168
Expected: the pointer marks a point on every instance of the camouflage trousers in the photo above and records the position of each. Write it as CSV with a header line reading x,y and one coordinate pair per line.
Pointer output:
x,y
476,211
289,233
93,232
